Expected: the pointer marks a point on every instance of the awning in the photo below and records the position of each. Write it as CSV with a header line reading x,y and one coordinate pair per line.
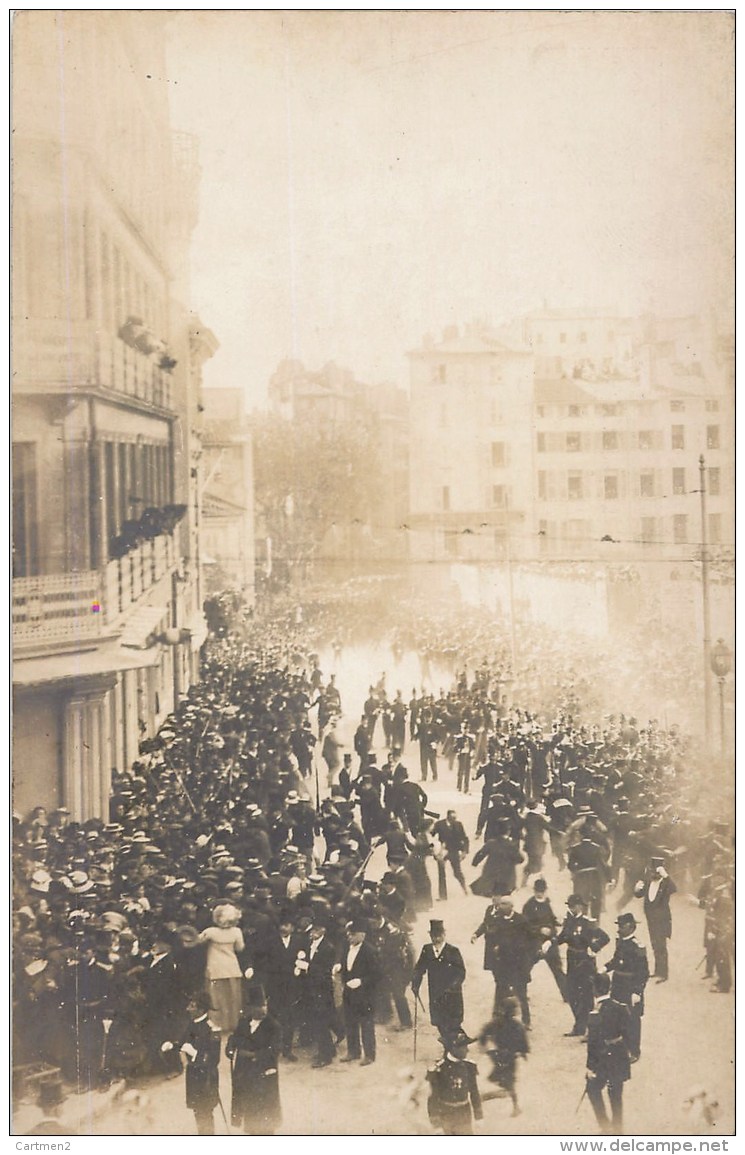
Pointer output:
x,y
199,630
106,659
140,626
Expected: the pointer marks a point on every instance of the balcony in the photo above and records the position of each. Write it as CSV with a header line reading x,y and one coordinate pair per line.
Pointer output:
x,y
69,610
77,355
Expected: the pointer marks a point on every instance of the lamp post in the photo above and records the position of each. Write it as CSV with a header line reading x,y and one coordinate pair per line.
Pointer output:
x,y
721,664
705,600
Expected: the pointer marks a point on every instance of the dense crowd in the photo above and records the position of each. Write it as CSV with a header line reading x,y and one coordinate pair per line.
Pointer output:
x,y
222,875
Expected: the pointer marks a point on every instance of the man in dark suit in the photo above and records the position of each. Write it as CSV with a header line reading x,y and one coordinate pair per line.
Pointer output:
x,y
254,1049
199,1048
445,970
454,844
282,983
164,999
360,972
630,976
313,969
656,888
607,1055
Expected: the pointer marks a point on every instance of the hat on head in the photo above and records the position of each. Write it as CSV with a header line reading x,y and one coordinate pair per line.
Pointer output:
x,y
40,881
456,1041
626,920
436,926
255,995
80,883
540,884
576,900
358,926
657,859
187,935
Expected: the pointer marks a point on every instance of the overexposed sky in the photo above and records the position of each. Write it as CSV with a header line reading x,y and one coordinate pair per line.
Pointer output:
x,y
369,177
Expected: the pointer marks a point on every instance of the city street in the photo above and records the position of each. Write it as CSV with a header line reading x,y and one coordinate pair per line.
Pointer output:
x,y
687,1036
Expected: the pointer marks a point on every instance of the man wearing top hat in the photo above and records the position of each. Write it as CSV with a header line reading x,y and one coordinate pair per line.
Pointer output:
x,y
253,1049
630,976
656,889
360,974
446,972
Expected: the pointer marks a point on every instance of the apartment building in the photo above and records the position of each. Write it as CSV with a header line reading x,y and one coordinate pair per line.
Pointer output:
x,y
601,453
107,359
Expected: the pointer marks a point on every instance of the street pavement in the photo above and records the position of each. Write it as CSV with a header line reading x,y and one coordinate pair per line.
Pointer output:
x,y
687,1033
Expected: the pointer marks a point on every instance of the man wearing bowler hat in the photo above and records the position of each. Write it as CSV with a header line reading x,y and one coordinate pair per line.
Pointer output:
x,y
630,971
656,889
443,964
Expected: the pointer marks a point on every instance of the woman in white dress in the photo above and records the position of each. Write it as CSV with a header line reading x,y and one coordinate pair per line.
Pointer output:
x,y
224,977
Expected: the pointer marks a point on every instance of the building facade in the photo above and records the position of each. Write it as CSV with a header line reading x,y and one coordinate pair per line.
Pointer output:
x,y
529,458
228,556
107,619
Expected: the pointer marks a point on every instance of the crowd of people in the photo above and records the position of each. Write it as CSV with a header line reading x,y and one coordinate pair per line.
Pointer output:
x,y
226,900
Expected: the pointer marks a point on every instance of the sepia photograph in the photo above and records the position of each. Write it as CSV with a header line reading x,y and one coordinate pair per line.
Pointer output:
x,y
373,575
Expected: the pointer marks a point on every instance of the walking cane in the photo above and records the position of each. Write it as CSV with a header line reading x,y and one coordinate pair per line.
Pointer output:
x,y
224,1116
582,1099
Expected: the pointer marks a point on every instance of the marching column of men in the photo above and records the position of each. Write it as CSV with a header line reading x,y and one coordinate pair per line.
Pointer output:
x,y
113,957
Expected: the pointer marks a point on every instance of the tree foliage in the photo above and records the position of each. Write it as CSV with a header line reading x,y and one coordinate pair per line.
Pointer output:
x,y
310,477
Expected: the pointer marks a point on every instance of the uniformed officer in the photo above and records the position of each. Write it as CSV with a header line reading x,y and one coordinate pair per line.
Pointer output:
x,y
454,1100
607,1055
630,976
583,938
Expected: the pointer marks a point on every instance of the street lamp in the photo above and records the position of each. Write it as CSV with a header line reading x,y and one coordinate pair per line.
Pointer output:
x,y
721,664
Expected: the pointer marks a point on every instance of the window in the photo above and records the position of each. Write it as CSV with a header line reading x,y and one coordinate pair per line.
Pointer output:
x,y
498,496
574,442
714,481
25,559
679,482
573,411
541,484
610,486
452,543
540,410
610,439
446,497
680,529
563,338
712,437
678,437
541,443
583,338
649,529
646,439
715,528
497,454
574,486
712,406
608,410
441,374
677,407
646,483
